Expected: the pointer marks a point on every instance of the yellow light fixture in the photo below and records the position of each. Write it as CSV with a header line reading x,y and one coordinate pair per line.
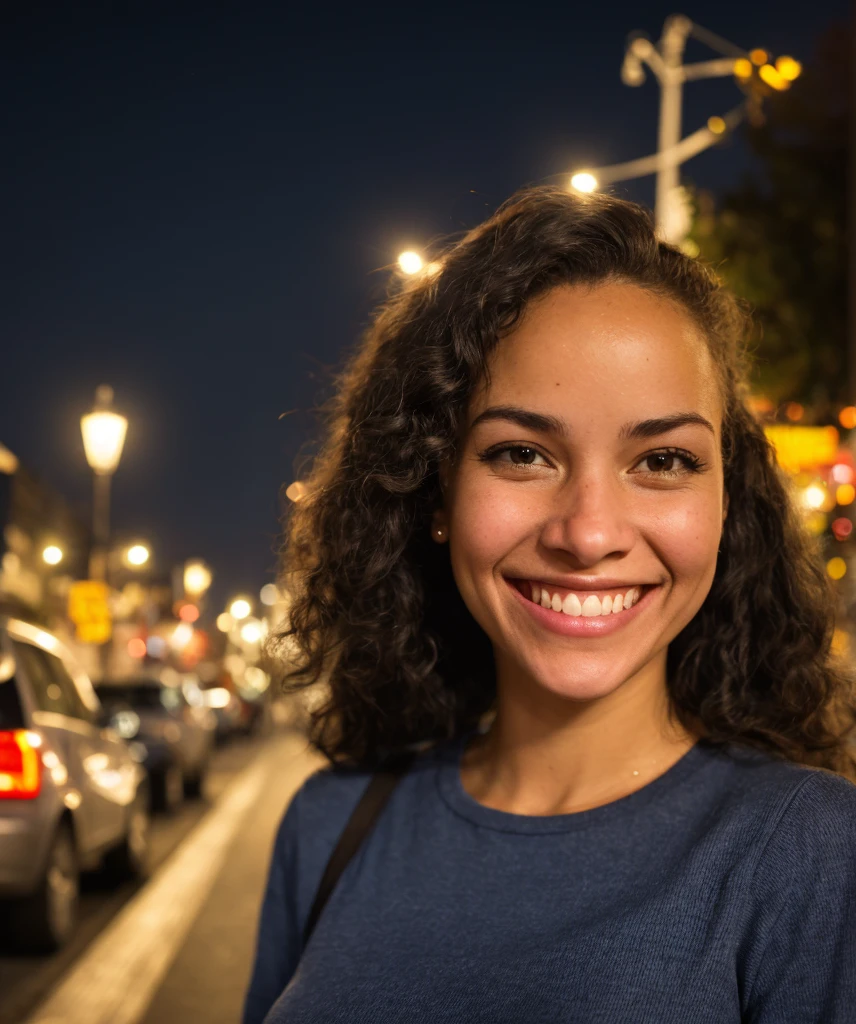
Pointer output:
x,y
743,68
240,608
52,555
584,182
836,568
410,262
197,578
768,74
717,125
103,433
789,68
137,555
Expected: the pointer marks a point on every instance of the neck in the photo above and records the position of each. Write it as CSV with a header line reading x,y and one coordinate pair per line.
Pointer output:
x,y
545,754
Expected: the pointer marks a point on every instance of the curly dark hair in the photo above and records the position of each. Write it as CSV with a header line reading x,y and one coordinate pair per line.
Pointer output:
x,y
376,613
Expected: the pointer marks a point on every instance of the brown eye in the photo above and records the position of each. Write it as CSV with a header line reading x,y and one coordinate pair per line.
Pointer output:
x,y
662,462
522,456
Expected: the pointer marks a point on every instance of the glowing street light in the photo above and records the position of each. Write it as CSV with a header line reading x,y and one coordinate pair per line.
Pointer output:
x,y
103,433
252,632
197,578
52,555
269,595
240,608
584,182
225,622
410,262
137,555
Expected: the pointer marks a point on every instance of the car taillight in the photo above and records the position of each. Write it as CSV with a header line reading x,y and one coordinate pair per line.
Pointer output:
x,y
20,765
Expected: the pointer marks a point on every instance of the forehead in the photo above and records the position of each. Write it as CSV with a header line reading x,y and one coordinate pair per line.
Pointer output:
x,y
610,348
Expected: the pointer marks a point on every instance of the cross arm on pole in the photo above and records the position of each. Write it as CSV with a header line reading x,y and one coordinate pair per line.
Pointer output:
x,y
717,68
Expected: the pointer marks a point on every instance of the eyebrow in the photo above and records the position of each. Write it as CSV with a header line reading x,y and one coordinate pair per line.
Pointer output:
x,y
632,431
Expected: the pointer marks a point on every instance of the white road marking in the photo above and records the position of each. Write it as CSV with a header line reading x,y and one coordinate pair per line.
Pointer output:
x,y
115,980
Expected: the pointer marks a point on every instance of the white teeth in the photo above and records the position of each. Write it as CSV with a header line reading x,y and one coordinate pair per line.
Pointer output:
x,y
592,605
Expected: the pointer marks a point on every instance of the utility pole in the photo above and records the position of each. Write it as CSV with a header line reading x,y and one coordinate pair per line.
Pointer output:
x,y
665,61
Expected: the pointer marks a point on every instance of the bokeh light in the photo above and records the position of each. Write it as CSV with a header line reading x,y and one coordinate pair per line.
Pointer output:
x,y
137,554
841,528
847,417
137,647
836,568
844,494
411,262
52,554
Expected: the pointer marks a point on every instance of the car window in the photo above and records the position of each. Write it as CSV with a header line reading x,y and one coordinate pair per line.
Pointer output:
x,y
11,712
63,679
48,694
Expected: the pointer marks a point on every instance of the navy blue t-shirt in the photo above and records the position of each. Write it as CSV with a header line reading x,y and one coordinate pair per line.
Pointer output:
x,y
722,892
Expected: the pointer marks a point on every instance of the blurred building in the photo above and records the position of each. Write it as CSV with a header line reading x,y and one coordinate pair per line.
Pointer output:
x,y
44,545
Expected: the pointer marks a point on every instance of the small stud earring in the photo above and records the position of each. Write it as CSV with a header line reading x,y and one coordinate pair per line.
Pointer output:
x,y
439,533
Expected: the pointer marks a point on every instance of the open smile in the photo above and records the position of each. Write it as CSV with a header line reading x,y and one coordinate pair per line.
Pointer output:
x,y
584,612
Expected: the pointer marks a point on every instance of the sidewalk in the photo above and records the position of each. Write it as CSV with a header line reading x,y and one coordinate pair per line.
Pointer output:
x,y
208,978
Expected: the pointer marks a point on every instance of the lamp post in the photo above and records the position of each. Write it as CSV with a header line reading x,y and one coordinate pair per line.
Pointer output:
x,y
103,439
665,61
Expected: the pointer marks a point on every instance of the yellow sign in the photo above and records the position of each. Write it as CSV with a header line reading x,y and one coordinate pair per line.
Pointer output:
x,y
89,610
803,447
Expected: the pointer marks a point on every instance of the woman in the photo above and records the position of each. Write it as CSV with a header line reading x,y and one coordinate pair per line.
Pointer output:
x,y
547,546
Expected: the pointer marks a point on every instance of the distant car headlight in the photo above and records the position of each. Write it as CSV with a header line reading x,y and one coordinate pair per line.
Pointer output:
x,y
126,723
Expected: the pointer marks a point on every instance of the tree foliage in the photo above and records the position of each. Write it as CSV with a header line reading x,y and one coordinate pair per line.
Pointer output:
x,y
780,238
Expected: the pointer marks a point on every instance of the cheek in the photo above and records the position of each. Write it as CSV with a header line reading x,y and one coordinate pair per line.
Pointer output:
x,y
687,537
488,519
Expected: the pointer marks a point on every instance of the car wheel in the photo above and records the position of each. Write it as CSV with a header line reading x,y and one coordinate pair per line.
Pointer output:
x,y
130,859
45,920
169,789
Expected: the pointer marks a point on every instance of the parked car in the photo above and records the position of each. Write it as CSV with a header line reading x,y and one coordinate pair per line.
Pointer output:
x,y
172,737
72,796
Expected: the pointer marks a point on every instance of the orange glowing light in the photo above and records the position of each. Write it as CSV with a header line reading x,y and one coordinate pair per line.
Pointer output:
x,y
794,411
137,647
845,494
847,417
188,613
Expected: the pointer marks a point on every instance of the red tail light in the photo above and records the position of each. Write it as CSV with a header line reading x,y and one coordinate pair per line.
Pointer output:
x,y
20,765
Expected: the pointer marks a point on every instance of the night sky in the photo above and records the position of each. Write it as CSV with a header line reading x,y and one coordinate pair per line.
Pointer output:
x,y
201,205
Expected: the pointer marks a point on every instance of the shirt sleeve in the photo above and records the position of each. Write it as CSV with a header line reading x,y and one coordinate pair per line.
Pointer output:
x,y
805,968
278,939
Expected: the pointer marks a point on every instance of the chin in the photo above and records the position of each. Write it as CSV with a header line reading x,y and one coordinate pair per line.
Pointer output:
x,y
581,678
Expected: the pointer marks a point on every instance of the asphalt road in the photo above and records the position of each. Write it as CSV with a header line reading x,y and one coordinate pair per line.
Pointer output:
x,y
206,954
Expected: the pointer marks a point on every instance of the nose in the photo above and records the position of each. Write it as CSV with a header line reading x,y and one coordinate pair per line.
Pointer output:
x,y
590,519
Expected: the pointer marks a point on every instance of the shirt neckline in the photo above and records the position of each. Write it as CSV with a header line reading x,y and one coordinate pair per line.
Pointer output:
x,y
461,803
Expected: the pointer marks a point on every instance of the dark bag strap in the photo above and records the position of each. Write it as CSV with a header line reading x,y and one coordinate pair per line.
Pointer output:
x,y
364,815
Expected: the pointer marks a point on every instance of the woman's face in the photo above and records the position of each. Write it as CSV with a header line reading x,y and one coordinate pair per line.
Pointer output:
x,y
590,478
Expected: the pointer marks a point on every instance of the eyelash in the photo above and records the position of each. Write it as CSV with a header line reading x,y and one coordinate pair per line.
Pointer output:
x,y
692,463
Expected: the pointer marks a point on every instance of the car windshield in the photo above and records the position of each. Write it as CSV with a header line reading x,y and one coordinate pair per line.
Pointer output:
x,y
144,695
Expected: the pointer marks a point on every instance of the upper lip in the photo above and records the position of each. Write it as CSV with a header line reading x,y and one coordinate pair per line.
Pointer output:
x,y
582,583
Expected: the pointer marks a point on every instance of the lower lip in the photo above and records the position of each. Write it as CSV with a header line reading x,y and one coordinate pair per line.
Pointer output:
x,y
583,625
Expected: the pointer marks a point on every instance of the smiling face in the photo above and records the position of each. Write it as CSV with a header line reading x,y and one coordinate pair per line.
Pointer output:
x,y
585,510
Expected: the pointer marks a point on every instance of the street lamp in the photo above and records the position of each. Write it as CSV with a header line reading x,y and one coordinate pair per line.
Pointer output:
x,y
103,439
665,60
240,608
137,555
52,554
197,578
